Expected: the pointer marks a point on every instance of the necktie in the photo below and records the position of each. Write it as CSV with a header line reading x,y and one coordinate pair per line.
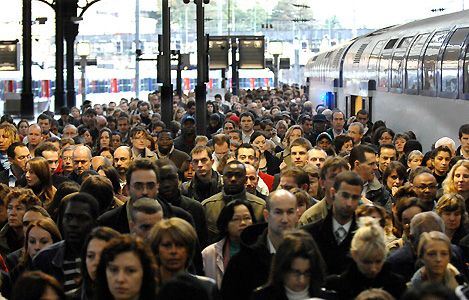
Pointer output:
x,y
340,234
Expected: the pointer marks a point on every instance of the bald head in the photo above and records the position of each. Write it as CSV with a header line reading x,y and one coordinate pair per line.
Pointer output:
x,y
81,159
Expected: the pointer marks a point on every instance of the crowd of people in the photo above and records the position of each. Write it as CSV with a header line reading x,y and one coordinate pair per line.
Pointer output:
x,y
278,199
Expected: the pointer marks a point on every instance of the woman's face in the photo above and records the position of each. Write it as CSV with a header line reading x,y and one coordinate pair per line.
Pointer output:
x,y
240,220
87,138
108,155
347,147
324,144
281,130
105,139
38,239
399,144
452,219
210,108
5,141
173,255
124,276
179,114
259,142
385,138
295,134
228,127
414,162
461,179
393,180
299,276
93,255
313,186
189,173
31,177
75,113
116,141
369,266
15,211
23,128
436,257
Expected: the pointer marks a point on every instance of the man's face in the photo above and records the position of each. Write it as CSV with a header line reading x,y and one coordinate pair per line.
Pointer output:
x,y
122,160
144,111
202,165
307,126
247,156
425,186
362,119
464,140
123,125
69,133
165,142
251,179
338,121
143,223
88,119
319,126
268,130
367,169
52,158
246,124
77,222
235,141
328,183
34,135
287,183
221,150
143,183
22,155
354,133
346,200
168,182
282,214
385,158
299,156
44,124
99,109
234,178
441,162
81,161
228,127
317,157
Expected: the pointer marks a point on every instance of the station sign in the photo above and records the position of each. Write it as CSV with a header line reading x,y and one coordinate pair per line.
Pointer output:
x,y
218,50
252,53
9,56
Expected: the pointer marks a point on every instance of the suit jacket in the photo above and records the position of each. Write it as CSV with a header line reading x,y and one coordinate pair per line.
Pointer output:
x,y
336,256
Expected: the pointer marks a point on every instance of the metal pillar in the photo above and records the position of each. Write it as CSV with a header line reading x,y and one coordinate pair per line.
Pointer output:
x,y
137,46
234,68
167,88
200,89
276,56
83,78
70,32
27,99
59,94
179,75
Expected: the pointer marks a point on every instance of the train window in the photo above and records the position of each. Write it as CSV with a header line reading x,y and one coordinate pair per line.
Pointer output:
x,y
390,44
449,70
413,62
373,61
466,71
405,42
429,60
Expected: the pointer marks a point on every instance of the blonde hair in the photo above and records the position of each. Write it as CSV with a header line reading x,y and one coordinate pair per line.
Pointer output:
x,y
448,183
451,202
369,238
427,237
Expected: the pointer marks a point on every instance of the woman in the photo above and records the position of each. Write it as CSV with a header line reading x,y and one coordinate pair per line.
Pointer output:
x,y
399,142
173,243
343,144
457,179
434,250
93,248
113,175
414,160
293,133
368,251
104,139
101,188
37,285
281,129
126,270
378,213
268,163
394,177
233,219
383,136
106,152
116,140
39,179
214,124
75,113
8,135
66,188
303,201
452,210
85,134
38,235
297,272
178,113
23,126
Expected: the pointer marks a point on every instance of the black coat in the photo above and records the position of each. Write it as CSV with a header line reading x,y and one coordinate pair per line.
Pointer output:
x,y
337,257
273,163
249,268
352,282
278,293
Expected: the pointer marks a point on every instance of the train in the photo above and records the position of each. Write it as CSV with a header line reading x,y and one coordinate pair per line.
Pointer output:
x,y
413,76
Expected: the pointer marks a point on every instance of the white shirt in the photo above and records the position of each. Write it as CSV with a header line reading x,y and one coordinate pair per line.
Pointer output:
x,y
336,225
271,246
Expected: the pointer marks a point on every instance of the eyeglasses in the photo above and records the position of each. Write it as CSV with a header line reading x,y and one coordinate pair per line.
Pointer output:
x,y
298,273
244,219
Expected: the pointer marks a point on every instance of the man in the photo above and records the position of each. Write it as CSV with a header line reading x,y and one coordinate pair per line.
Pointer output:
x,y
252,180
44,121
319,126
248,154
122,160
317,157
386,154
247,126
236,137
306,123
364,117
34,137
205,182
62,260
144,214
88,119
334,234
293,177
356,130
144,111
221,147
123,127
69,131
338,122
362,159
81,162
166,149
51,153
250,267
169,192
403,261
138,138
101,122
425,186
67,160
18,155
332,167
463,150
99,109
234,181
186,141
299,152
441,158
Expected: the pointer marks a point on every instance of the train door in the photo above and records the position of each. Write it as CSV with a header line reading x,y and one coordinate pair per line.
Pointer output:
x,y
355,103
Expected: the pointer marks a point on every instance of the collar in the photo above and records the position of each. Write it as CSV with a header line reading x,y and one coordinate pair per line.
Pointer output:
x,y
270,246
229,198
159,155
336,225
